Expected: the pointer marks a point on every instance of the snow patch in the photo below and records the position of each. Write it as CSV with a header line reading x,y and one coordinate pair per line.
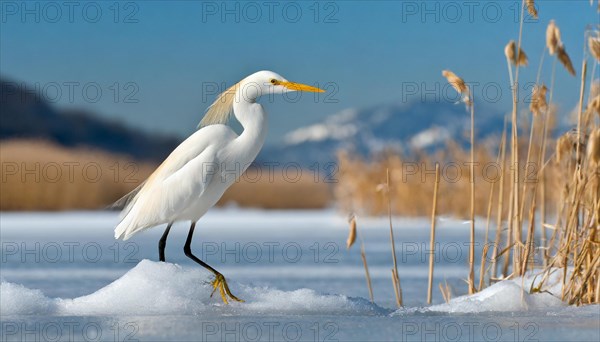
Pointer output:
x,y
505,296
501,297
336,127
155,288
429,137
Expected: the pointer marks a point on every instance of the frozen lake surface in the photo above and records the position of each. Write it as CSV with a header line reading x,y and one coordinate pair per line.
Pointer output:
x,y
64,277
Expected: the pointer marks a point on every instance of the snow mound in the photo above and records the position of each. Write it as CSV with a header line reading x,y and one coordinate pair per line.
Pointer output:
x,y
155,288
504,296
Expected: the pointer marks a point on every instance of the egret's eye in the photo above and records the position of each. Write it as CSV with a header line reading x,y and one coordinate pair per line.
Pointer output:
x,y
273,81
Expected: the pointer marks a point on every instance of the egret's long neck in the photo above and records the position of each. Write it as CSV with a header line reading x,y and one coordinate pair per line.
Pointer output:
x,y
254,121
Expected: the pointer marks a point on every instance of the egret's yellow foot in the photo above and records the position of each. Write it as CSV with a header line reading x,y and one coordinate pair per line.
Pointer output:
x,y
221,284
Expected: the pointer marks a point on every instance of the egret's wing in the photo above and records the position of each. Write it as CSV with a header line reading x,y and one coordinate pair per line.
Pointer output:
x,y
171,192
184,153
180,179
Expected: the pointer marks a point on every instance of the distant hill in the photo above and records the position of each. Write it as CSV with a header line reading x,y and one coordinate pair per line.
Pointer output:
x,y
398,126
25,114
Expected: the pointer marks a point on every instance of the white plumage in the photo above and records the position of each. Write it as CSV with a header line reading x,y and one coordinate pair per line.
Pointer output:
x,y
185,185
197,173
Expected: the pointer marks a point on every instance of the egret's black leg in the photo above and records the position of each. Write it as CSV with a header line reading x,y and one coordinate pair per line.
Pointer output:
x,y
162,243
219,283
187,249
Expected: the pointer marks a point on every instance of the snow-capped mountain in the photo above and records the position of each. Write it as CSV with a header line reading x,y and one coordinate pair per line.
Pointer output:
x,y
400,126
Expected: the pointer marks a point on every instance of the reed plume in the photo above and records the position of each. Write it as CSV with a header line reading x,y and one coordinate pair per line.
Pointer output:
x,y
565,60
531,9
594,46
459,85
552,37
519,59
352,233
538,103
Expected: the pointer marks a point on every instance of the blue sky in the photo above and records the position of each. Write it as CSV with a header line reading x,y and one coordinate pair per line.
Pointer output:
x,y
157,63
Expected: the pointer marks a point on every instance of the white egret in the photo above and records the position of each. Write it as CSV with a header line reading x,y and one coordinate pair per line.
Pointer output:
x,y
196,174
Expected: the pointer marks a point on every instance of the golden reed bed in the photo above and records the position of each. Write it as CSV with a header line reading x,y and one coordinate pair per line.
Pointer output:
x,y
37,175
539,177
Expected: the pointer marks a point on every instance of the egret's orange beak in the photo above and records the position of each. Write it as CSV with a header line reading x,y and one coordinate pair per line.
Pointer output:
x,y
301,87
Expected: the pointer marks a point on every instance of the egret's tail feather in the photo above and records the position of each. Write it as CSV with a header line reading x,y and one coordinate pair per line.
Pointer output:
x,y
121,231
127,228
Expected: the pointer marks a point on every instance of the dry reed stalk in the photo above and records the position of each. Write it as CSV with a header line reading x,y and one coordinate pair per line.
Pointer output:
x,y
490,205
509,235
542,178
593,150
567,244
472,181
597,295
576,296
580,112
504,252
569,291
529,246
395,277
491,200
461,87
500,201
446,291
432,233
484,254
553,41
562,207
543,202
538,104
397,287
541,161
363,256
527,162
516,224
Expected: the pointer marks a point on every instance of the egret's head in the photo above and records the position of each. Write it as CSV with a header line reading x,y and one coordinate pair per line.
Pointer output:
x,y
249,89
267,82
